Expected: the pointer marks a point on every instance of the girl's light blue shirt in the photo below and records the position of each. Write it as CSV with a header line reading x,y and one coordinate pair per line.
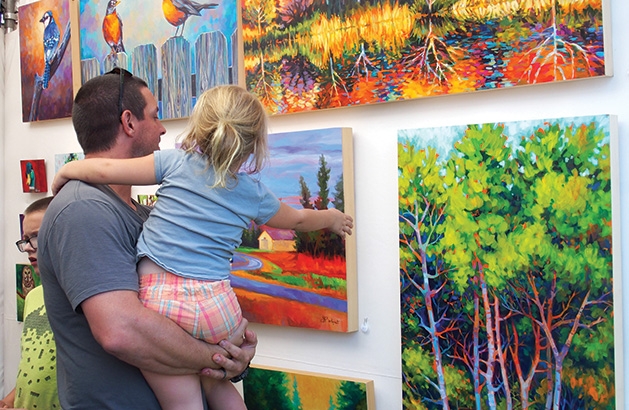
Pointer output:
x,y
193,229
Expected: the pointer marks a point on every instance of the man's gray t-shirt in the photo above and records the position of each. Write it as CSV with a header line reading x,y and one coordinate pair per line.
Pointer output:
x,y
87,246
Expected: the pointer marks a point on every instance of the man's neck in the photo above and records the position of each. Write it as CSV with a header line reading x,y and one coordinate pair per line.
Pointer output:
x,y
123,191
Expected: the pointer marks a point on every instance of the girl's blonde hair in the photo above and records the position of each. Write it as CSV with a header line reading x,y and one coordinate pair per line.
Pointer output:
x,y
229,126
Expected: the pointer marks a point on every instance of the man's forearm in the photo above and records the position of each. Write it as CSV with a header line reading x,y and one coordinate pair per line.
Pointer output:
x,y
144,338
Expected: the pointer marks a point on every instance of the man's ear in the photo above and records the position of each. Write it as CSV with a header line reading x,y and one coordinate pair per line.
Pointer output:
x,y
127,120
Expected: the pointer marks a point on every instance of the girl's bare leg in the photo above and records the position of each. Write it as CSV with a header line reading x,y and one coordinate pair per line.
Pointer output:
x,y
176,392
222,395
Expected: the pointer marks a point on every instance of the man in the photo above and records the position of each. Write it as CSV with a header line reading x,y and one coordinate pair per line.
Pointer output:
x,y
87,258
36,384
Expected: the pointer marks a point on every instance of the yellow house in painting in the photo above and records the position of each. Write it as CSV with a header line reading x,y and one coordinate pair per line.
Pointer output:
x,y
272,239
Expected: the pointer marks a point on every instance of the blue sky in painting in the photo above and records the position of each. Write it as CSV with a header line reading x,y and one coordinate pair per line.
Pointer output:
x,y
295,154
443,138
144,23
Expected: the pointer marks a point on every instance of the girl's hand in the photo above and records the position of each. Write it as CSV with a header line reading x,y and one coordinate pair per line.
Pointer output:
x,y
58,182
342,224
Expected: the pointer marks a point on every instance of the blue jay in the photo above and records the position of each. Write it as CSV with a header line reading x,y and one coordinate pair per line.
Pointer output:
x,y
51,39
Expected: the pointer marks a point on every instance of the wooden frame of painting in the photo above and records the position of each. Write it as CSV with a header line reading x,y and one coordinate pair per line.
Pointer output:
x,y
178,53
308,280
267,387
307,55
45,60
510,291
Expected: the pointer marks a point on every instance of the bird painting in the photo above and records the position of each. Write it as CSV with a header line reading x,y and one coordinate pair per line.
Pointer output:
x,y
177,12
112,28
51,40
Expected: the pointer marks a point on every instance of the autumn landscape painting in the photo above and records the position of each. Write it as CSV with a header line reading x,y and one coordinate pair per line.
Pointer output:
x,y
312,54
289,278
507,276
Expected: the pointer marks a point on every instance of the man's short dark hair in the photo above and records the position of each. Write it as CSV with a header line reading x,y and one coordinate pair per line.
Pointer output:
x,y
39,205
95,112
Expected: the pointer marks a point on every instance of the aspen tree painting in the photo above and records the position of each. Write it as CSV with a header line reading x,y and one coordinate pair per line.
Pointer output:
x,y
312,54
506,268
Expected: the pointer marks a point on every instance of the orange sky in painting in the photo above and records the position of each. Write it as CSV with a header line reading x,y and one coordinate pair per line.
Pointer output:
x,y
314,391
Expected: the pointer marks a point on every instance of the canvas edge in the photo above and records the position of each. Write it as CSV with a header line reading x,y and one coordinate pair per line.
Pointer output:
x,y
75,44
369,384
240,79
607,38
351,271
616,263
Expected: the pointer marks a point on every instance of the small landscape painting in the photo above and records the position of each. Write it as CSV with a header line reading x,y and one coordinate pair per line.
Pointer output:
x,y
267,388
289,278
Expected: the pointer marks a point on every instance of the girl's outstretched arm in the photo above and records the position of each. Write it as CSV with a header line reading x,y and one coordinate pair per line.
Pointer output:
x,y
306,220
132,171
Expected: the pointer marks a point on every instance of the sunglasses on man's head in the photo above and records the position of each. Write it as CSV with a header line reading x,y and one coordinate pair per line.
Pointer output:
x,y
123,73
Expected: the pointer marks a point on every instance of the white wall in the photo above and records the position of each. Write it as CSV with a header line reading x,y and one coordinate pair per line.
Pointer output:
x,y
2,264
373,355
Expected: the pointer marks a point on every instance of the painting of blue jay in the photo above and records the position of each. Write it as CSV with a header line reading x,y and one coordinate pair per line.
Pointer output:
x,y
46,60
51,40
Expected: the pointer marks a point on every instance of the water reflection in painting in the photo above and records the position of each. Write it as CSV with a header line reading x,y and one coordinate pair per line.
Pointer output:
x,y
313,54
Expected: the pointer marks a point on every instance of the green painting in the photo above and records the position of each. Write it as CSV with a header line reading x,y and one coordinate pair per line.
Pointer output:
x,y
506,267
268,388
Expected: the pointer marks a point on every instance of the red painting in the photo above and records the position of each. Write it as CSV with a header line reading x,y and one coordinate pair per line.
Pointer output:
x,y
33,173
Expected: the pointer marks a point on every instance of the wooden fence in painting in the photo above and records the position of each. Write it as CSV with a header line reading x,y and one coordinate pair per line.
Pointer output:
x,y
180,84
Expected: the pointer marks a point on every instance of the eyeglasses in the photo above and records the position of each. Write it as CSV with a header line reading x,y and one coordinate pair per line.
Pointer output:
x,y
21,245
123,73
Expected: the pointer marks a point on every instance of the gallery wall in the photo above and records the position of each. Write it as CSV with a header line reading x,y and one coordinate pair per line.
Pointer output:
x,y
372,354
2,133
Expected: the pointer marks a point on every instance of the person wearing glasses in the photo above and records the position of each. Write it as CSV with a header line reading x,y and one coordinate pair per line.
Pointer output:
x,y
36,382
87,258
209,194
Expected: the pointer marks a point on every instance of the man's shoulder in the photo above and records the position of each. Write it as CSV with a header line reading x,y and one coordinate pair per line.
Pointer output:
x,y
77,204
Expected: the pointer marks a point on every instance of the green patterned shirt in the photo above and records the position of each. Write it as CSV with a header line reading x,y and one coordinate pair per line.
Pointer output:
x,y
36,384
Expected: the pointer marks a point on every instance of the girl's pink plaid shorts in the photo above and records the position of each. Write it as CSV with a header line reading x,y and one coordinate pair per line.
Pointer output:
x,y
208,310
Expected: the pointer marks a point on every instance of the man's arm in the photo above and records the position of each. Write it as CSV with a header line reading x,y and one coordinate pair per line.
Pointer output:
x,y
145,339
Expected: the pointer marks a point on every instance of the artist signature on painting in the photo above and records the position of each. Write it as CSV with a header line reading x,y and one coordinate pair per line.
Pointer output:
x,y
327,319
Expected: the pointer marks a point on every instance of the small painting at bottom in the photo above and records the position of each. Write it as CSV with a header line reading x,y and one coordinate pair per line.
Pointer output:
x,y
269,388
26,279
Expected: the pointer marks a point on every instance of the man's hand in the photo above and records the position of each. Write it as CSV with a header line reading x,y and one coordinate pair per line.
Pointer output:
x,y
239,359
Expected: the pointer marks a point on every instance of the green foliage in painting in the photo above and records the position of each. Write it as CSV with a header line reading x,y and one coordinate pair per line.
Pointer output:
x,y
339,195
266,389
351,396
506,267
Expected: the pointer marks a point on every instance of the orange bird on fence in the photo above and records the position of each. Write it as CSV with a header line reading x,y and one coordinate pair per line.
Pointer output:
x,y
177,12
112,28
